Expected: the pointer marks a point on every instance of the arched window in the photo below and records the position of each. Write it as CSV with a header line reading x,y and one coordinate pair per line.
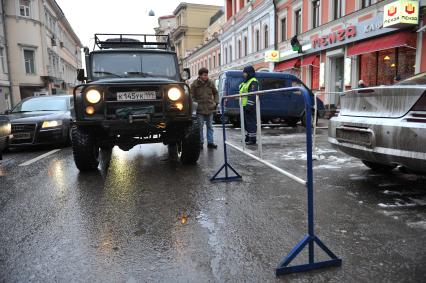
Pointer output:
x,y
266,33
257,41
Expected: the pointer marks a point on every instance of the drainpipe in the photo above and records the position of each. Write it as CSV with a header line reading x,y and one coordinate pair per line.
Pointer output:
x,y
6,49
272,64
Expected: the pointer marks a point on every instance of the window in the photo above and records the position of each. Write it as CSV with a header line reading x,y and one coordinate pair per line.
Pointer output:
x,y
2,67
315,13
24,8
283,29
239,49
230,54
226,55
337,7
245,46
298,23
257,41
214,61
365,3
210,63
218,59
29,61
266,39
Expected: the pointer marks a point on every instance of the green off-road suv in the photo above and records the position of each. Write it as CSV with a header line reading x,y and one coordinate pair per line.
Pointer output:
x,y
133,94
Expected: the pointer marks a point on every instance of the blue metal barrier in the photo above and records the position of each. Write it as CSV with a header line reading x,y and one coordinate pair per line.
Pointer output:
x,y
310,239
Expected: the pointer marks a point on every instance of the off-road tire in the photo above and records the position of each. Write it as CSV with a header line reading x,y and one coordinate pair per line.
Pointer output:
x,y
292,122
303,119
85,150
190,150
378,167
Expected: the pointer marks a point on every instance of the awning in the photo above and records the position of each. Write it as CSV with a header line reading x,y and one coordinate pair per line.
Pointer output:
x,y
309,60
286,65
384,42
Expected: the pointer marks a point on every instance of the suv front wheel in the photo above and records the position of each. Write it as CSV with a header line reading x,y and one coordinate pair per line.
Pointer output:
x,y
85,149
188,149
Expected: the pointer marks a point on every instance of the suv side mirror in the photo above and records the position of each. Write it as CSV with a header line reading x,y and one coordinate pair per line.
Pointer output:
x,y
80,75
186,74
7,112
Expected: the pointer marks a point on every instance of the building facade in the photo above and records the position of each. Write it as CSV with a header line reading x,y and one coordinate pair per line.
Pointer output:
x,y
191,22
45,50
5,99
344,42
208,54
248,33
165,25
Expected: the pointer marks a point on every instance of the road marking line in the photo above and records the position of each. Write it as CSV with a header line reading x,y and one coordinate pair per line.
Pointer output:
x,y
31,161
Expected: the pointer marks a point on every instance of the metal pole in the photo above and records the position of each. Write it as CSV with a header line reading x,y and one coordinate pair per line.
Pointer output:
x,y
315,126
243,129
259,126
309,173
224,137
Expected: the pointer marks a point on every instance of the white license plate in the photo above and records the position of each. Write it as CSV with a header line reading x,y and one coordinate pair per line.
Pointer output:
x,y
136,95
22,136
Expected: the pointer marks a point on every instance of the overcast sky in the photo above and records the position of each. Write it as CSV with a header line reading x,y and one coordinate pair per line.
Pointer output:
x,y
88,17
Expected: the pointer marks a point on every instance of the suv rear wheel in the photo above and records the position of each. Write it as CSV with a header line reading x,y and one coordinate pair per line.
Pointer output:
x,y
85,149
378,167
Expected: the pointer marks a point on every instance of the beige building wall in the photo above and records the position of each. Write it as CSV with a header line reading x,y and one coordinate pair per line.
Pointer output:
x,y
44,31
165,25
191,23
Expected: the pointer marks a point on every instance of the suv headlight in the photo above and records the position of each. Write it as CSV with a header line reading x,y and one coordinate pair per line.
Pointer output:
x,y
174,94
93,96
51,124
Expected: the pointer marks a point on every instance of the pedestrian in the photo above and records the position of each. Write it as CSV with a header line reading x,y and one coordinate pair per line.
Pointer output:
x,y
250,84
361,84
204,92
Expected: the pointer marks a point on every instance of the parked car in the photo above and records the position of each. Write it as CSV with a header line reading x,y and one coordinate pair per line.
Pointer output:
x,y
289,107
5,133
384,126
41,120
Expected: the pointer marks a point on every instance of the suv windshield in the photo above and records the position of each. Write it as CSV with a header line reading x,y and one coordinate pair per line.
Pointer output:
x,y
133,64
42,104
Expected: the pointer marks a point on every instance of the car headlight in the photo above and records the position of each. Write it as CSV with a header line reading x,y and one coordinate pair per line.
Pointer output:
x,y
93,96
51,124
174,93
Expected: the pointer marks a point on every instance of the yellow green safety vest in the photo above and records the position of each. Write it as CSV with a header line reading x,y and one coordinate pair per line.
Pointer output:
x,y
244,88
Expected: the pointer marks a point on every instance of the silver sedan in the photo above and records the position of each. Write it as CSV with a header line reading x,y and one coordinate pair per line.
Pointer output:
x,y
384,126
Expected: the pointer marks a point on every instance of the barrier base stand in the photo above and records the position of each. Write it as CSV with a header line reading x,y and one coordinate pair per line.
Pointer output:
x,y
227,178
283,267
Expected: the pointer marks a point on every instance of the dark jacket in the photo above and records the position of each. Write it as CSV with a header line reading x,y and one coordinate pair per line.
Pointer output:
x,y
206,95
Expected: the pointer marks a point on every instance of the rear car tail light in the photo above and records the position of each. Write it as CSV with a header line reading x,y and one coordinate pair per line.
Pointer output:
x,y
420,104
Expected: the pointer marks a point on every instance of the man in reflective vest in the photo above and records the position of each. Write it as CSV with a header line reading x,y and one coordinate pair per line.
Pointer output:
x,y
250,84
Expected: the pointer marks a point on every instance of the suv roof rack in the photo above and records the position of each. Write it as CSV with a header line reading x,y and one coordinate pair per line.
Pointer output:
x,y
128,40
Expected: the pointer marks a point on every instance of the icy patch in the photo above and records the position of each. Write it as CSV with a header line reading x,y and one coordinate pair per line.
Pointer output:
x,y
399,203
392,193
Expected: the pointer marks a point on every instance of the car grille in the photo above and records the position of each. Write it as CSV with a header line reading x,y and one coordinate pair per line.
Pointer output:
x,y
112,105
23,133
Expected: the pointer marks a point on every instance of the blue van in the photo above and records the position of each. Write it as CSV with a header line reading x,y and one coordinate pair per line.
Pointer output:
x,y
288,107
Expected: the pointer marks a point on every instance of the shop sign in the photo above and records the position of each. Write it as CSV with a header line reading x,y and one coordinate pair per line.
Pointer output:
x,y
337,36
272,56
401,13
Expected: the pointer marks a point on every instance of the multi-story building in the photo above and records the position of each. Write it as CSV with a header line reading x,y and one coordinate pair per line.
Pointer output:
x,y
191,22
165,25
207,55
5,101
248,33
345,41
43,46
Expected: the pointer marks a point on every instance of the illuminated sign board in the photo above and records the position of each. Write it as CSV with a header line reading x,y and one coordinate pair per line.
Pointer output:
x,y
401,13
272,56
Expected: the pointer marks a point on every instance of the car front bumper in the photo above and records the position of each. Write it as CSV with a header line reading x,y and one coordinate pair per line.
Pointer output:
x,y
381,140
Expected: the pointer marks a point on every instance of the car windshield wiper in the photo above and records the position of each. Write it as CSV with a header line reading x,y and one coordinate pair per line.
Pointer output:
x,y
107,73
140,73
20,111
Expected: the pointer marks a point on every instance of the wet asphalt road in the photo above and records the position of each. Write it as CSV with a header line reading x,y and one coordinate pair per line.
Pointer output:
x,y
145,218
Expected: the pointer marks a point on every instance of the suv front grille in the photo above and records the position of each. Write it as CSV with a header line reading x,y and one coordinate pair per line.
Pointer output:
x,y
112,104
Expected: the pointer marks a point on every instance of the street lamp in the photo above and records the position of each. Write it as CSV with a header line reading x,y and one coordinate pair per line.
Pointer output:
x,y
151,13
